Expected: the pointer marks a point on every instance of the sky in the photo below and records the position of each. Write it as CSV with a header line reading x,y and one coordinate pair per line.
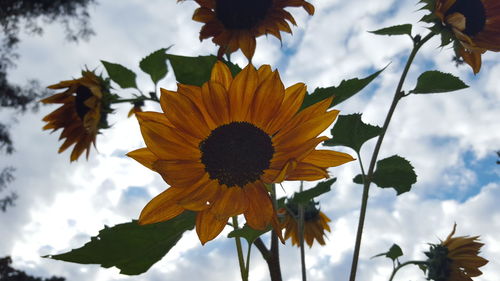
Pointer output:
x,y
449,138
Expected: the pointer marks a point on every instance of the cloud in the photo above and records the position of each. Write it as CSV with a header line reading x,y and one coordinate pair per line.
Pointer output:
x,y
447,137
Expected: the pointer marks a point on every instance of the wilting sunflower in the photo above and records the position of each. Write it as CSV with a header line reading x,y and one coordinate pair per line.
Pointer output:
x,y
475,24
455,259
315,224
219,144
234,24
81,114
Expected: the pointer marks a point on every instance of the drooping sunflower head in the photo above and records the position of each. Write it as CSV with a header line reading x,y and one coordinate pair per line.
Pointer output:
x,y
315,223
219,144
83,111
235,24
472,25
455,259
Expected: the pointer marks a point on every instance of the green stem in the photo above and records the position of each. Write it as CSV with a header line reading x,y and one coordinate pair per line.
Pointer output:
x,y
367,180
403,265
301,237
239,249
247,267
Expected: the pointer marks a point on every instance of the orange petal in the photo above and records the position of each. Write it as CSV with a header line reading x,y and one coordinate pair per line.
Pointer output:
x,y
232,202
222,75
260,209
143,156
328,158
215,99
241,93
161,208
180,173
208,226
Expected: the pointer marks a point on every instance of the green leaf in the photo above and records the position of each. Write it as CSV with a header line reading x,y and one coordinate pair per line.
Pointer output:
x,y
358,179
196,70
395,172
124,77
393,253
131,247
351,131
248,233
307,195
342,92
155,64
403,29
437,82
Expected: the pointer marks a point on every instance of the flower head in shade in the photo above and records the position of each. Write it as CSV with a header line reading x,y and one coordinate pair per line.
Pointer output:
x,y
315,223
219,144
472,25
455,259
82,112
235,24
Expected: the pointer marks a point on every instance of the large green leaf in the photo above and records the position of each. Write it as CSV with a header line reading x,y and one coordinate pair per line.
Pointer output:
x,y
403,29
131,247
350,131
307,195
248,233
196,70
123,76
395,172
155,64
342,92
437,82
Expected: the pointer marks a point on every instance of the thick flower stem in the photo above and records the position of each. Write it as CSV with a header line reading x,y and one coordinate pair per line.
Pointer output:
x,y
403,265
239,249
417,44
272,262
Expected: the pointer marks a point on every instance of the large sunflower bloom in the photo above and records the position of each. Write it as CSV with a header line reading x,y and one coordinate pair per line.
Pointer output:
x,y
455,259
315,224
475,24
219,144
234,24
80,113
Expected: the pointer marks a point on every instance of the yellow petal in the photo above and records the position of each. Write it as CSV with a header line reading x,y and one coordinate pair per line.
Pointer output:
x,y
208,226
163,207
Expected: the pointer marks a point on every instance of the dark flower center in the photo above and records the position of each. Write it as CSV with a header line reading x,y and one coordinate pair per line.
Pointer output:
x,y
236,153
438,263
241,14
82,94
310,211
474,13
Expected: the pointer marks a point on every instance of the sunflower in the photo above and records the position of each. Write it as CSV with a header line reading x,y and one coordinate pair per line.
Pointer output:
x,y
315,224
80,115
219,144
475,24
234,24
455,259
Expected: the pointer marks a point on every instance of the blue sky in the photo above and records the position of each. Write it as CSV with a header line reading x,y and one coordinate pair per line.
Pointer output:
x,y
450,139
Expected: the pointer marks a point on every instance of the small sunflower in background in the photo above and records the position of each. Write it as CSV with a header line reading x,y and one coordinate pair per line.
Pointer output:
x,y
219,144
315,223
82,113
455,259
235,24
473,26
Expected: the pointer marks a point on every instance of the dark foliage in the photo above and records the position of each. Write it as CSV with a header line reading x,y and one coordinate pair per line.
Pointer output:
x,y
23,15
6,176
8,273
